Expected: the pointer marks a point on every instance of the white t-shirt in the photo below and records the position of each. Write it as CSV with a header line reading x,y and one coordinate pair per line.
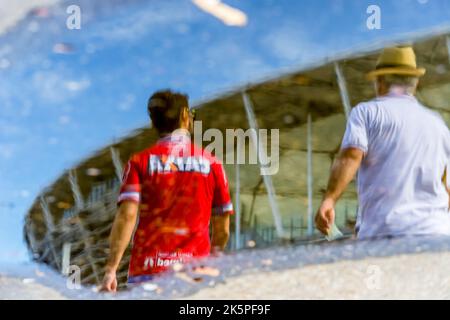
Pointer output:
x,y
406,147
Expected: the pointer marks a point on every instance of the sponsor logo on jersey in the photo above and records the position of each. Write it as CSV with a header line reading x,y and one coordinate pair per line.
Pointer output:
x,y
168,164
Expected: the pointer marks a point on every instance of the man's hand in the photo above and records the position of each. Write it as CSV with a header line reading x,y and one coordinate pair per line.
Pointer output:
x,y
220,232
342,172
325,216
109,283
120,238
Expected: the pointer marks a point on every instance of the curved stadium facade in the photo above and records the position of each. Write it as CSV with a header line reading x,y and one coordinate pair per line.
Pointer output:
x,y
70,220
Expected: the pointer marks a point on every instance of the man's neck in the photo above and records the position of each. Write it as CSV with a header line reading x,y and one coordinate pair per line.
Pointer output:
x,y
399,91
177,135
177,132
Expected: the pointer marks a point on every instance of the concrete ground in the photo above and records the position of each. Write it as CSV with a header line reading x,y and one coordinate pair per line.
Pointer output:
x,y
405,268
26,289
419,276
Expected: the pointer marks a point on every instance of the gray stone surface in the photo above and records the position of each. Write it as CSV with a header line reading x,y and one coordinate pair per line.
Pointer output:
x,y
403,268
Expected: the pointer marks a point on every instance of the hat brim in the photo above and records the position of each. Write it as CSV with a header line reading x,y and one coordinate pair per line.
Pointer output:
x,y
419,72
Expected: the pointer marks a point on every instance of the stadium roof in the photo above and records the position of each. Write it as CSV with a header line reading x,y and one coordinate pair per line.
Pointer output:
x,y
283,102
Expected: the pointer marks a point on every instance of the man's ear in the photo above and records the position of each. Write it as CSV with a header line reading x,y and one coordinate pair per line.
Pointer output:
x,y
379,86
184,118
416,86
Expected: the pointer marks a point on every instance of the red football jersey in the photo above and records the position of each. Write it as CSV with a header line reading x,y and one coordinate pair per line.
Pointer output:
x,y
177,185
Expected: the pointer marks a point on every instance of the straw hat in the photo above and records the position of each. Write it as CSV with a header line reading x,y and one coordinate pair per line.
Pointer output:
x,y
397,60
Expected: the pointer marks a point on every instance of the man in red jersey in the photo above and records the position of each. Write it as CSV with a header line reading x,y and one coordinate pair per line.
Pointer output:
x,y
175,185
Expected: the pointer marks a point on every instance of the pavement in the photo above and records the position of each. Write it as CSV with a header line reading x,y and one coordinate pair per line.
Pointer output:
x,y
403,268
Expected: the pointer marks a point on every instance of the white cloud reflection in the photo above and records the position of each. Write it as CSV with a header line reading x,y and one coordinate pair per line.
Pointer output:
x,y
291,42
57,85
12,12
227,14
136,24
80,85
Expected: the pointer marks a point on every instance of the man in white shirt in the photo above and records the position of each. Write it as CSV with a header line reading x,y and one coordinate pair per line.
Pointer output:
x,y
401,150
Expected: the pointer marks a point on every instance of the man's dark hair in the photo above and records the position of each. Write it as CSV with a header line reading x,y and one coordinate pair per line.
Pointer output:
x,y
164,108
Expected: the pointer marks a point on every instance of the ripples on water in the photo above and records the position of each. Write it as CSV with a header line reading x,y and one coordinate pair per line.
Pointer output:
x,y
217,270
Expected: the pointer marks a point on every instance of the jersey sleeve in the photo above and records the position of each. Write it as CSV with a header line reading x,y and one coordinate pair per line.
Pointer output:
x,y
221,201
356,131
130,189
446,142
446,138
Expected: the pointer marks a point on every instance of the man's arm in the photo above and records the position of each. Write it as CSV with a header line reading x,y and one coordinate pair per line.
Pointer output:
x,y
222,209
220,231
342,172
121,232
444,181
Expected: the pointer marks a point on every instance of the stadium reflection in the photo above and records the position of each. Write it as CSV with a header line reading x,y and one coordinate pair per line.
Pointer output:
x,y
91,85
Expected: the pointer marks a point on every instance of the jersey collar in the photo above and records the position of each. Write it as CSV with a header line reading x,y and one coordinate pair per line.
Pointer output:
x,y
177,136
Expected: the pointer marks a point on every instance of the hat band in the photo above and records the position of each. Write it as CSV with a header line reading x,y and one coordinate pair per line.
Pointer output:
x,y
382,66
